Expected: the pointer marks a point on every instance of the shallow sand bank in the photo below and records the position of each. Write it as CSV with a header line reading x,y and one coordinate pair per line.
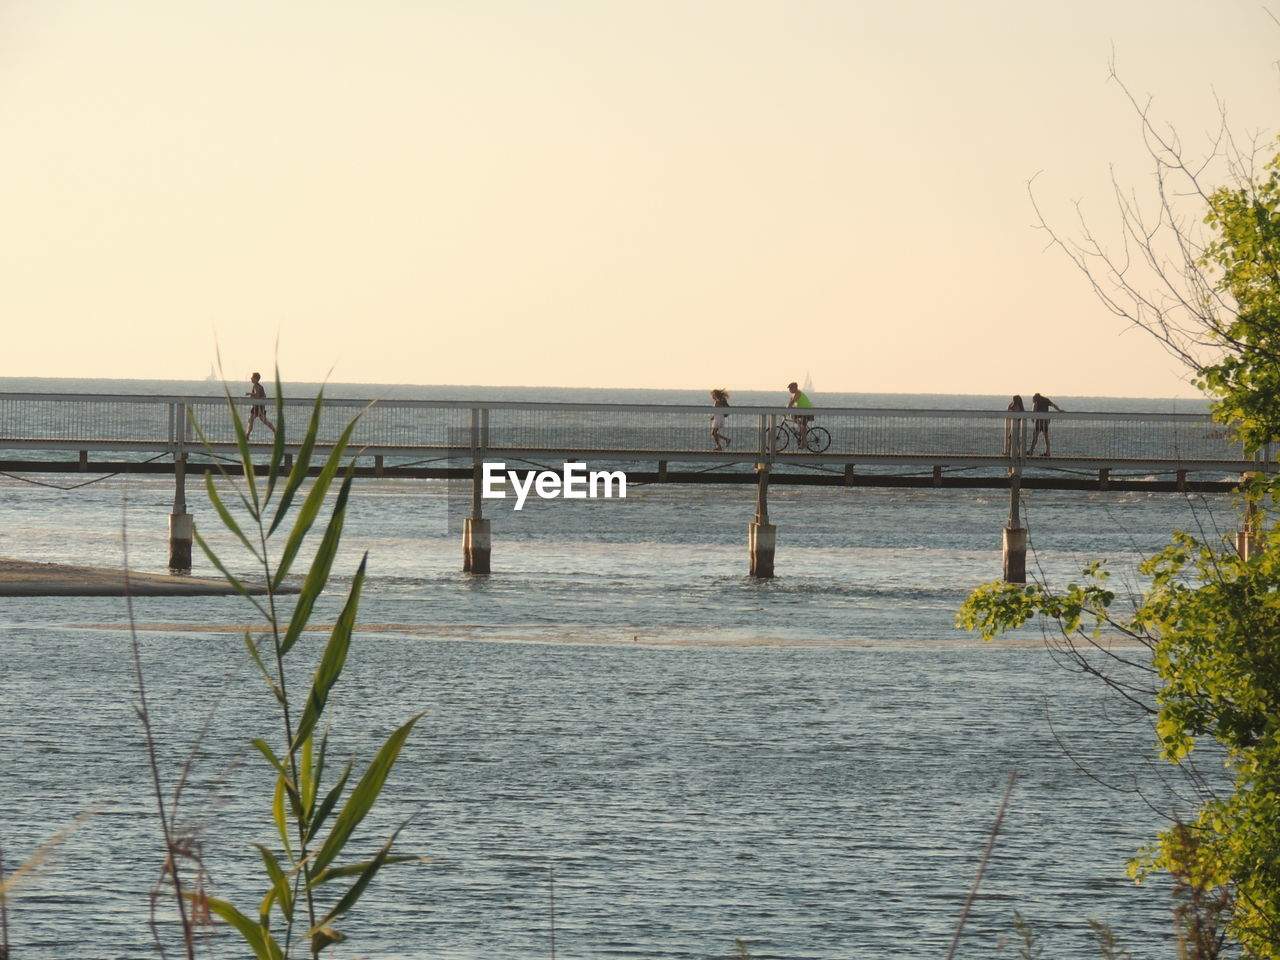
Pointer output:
x,y
619,637
22,578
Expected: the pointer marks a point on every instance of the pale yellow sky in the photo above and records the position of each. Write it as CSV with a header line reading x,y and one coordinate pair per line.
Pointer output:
x,y
643,193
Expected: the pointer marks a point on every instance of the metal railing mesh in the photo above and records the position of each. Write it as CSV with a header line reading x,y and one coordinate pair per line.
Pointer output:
x,y
161,424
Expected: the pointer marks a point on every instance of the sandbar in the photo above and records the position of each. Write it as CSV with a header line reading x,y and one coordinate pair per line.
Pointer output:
x,y
23,578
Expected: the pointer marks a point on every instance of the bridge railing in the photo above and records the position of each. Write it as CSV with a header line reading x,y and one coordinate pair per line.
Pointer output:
x,y
464,429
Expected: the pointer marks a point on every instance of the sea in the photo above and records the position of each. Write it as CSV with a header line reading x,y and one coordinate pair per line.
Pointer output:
x,y
628,747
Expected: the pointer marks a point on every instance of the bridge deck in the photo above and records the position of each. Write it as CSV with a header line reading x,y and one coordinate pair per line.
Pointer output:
x,y
450,435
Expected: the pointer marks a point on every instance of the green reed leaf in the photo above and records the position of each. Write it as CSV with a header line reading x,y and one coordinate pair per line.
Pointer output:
x,y
279,882
330,801
321,564
254,503
290,788
354,869
367,872
262,668
312,502
264,909
277,444
333,660
306,786
225,515
259,940
317,776
363,796
280,817
301,464
265,749
236,584
322,937
208,445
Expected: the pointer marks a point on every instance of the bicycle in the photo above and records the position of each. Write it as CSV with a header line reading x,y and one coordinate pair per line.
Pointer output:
x,y
817,439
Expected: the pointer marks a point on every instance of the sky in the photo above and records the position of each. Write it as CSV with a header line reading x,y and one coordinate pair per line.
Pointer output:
x,y
630,193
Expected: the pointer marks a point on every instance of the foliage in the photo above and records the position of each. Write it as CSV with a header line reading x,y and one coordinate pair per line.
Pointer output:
x,y
1212,623
1108,946
1029,947
1213,301
1198,269
1244,257
310,880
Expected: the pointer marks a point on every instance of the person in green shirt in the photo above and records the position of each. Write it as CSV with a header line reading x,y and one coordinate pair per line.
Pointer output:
x,y
798,399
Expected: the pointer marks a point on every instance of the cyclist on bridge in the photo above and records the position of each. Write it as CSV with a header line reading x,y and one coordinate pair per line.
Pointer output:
x,y
799,400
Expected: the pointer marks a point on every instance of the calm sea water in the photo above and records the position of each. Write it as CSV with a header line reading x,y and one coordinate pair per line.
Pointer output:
x,y
619,722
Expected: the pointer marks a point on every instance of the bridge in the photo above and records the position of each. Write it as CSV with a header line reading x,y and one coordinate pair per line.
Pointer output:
x,y
438,439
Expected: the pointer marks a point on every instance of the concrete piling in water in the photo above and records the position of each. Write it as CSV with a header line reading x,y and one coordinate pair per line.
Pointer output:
x,y
762,536
180,528
180,525
1015,554
1248,543
475,545
476,537
1014,539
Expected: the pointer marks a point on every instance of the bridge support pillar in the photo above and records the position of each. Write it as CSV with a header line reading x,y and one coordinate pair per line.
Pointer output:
x,y
476,540
475,545
762,536
180,526
1248,544
1015,554
1015,534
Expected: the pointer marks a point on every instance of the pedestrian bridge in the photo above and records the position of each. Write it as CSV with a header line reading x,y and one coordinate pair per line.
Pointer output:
x,y
404,431
652,443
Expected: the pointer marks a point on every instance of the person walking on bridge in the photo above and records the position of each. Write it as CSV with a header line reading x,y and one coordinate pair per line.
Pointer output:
x,y
1041,404
719,398
257,411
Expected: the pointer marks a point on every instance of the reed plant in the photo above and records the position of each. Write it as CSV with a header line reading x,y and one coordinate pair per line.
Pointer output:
x,y
310,877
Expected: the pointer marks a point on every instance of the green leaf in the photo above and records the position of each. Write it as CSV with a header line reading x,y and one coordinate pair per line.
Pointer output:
x,y
333,660
330,801
279,881
254,503
306,785
277,444
322,937
366,872
355,869
312,502
280,817
260,941
227,575
301,464
265,749
286,781
225,516
262,668
363,796
318,773
321,565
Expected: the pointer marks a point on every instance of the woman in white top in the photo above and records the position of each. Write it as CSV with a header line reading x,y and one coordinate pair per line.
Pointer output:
x,y
719,398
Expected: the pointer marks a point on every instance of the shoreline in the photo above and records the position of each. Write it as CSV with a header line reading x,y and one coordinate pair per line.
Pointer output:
x,y
24,578
613,636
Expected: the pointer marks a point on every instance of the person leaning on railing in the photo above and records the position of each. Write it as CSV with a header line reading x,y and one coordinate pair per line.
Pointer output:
x,y
1041,405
